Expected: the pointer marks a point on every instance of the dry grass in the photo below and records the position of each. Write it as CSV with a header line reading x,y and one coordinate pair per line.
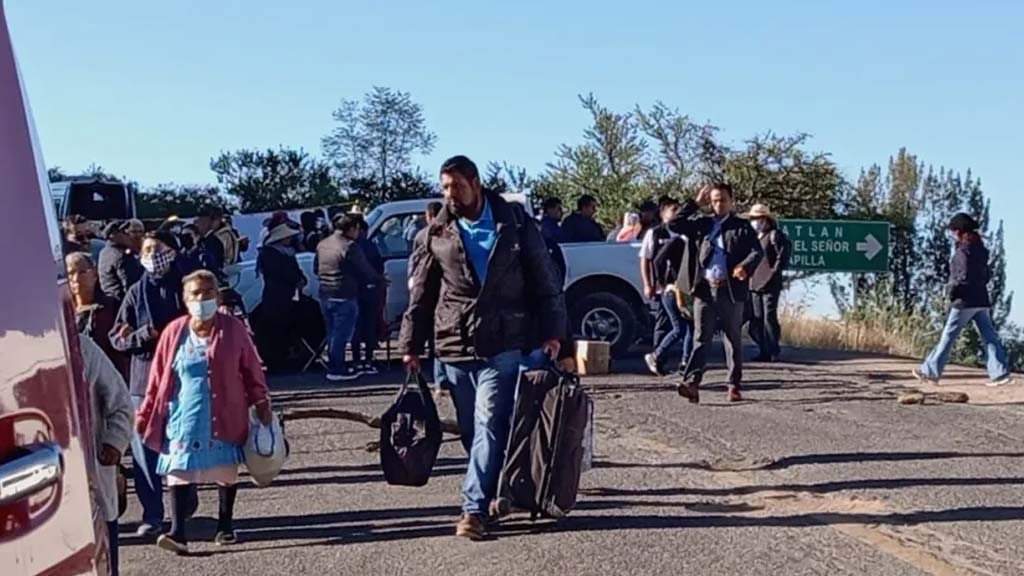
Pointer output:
x,y
888,335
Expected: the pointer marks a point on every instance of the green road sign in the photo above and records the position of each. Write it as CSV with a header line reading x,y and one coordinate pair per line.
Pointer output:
x,y
838,245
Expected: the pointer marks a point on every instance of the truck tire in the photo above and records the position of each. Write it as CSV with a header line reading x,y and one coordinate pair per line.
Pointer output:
x,y
607,317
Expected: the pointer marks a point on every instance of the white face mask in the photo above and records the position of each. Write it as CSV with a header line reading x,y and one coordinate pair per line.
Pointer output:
x,y
203,309
757,224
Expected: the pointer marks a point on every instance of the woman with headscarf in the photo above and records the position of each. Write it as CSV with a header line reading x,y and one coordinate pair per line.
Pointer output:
x,y
206,376
283,281
149,306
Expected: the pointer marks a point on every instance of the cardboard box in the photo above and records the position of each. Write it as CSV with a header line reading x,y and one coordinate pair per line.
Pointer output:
x,y
593,358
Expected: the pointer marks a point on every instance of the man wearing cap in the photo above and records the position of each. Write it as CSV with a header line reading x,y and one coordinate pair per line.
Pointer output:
x,y
969,274
118,265
766,283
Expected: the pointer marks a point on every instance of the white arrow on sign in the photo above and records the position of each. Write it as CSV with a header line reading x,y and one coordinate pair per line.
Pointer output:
x,y
870,246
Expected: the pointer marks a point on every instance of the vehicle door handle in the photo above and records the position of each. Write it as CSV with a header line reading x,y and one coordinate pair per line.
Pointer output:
x,y
32,469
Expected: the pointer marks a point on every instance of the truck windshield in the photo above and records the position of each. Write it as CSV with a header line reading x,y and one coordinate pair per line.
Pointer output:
x,y
373,218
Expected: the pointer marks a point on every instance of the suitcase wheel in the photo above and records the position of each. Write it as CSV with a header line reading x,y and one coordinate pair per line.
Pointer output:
x,y
501,507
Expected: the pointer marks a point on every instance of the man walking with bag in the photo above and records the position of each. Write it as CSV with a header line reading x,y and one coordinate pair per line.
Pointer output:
x,y
484,280
728,252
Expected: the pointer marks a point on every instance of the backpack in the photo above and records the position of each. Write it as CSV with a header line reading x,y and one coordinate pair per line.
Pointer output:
x,y
410,435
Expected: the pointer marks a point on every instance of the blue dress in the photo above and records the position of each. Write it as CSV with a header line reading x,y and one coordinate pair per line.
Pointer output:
x,y
189,445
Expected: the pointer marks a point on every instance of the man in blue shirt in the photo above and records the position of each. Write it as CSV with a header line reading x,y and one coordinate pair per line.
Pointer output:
x,y
483,279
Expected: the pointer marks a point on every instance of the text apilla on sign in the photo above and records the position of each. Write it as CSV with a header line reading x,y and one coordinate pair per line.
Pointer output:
x,y
838,245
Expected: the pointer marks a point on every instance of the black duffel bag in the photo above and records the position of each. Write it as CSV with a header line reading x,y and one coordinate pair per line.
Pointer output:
x,y
410,435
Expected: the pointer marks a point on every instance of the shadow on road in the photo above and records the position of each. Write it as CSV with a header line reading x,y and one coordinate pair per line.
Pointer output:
x,y
822,488
626,522
808,460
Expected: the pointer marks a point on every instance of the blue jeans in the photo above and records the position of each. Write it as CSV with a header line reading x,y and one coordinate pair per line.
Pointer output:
x,y
150,496
682,329
484,394
341,317
997,363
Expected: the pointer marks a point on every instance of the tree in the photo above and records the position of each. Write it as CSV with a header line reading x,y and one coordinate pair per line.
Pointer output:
x,y
165,200
263,180
779,171
902,200
610,164
687,150
367,192
865,198
505,178
56,174
374,140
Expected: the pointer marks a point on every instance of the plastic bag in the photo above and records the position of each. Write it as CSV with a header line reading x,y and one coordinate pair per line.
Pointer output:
x,y
265,450
588,439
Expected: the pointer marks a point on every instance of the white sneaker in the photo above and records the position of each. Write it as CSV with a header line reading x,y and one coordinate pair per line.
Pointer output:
x,y
922,378
167,543
652,364
1002,381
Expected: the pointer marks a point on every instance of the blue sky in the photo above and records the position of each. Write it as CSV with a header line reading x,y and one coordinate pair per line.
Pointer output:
x,y
152,90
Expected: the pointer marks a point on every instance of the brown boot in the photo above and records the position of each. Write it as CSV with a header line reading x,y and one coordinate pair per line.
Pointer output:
x,y
470,526
689,391
734,394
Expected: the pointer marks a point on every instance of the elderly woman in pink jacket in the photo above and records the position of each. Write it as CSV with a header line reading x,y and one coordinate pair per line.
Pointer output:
x,y
204,378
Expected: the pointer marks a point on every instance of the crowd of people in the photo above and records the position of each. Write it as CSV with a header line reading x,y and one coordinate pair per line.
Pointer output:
x,y
159,349
485,299
682,268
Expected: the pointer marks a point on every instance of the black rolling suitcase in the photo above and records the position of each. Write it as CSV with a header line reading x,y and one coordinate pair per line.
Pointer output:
x,y
545,454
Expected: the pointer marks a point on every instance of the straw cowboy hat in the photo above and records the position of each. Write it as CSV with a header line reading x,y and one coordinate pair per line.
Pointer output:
x,y
280,232
760,211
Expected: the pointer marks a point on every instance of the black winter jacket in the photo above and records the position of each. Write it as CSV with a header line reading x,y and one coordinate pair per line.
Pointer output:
x,y
522,293
149,302
117,270
969,275
742,248
342,268
281,278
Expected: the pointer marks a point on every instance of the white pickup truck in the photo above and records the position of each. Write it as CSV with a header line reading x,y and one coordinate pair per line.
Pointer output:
x,y
603,287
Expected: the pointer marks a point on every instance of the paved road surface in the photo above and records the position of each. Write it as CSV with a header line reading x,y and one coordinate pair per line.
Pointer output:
x,y
819,472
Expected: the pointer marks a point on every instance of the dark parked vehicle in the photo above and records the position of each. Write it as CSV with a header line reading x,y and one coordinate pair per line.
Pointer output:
x,y
48,520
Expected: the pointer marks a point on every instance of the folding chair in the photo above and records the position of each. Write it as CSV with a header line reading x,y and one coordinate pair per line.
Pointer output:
x,y
316,355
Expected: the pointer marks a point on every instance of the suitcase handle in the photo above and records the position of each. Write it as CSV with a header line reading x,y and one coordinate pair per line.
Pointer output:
x,y
548,364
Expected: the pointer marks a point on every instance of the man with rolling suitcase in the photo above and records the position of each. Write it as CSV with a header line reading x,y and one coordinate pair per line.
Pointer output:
x,y
484,280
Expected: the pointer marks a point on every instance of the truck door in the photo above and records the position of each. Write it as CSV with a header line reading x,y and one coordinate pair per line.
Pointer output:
x,y
47,519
